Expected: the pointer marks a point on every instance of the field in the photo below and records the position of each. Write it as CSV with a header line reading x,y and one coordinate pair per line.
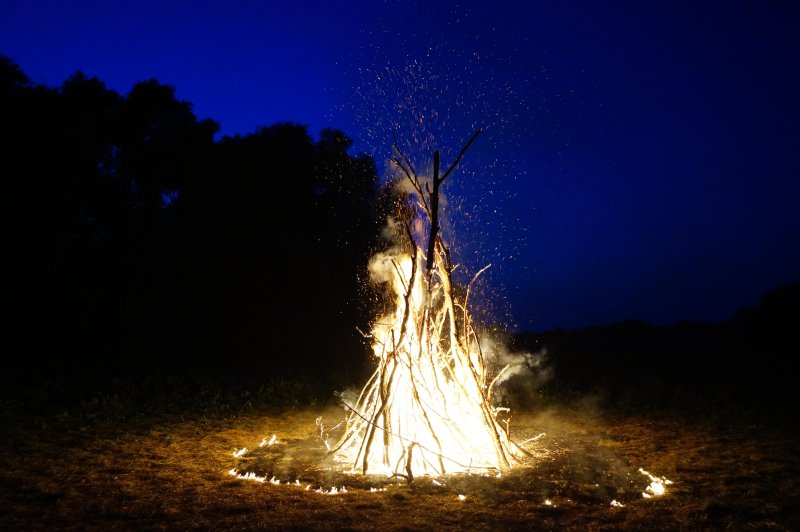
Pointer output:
x,y
171,470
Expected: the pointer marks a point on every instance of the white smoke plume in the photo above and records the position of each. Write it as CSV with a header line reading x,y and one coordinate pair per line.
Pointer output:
x,y
528,371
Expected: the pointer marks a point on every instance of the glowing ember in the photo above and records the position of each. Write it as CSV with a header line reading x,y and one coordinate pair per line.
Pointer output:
x,y
427,408
656,487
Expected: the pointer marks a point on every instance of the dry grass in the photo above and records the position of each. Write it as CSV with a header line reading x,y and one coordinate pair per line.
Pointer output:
x,y
171,473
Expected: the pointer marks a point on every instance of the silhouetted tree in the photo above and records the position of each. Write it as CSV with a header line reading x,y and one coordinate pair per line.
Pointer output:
x,y
142,242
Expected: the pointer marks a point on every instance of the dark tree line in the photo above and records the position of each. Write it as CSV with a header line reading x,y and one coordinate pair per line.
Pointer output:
x,y
747,359
137,241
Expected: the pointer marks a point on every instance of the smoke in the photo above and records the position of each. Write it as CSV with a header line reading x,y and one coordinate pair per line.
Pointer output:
x,y
381,266
520,375
400,185
349,398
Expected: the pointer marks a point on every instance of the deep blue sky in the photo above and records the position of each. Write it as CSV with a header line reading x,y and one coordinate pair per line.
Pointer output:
x,y
641,159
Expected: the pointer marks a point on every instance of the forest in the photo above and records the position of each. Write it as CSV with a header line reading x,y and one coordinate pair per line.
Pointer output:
x,y
141,243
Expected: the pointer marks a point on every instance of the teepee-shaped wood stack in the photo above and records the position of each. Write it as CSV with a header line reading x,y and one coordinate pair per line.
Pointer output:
x,y
427,409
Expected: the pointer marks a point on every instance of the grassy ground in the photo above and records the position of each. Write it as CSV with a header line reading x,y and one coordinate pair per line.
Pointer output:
x,y
171,471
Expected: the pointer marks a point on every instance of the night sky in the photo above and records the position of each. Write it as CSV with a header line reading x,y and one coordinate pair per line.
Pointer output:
x,y
640,160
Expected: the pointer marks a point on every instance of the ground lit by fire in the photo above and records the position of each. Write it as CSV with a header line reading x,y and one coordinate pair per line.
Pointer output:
x,y
170,473
302,463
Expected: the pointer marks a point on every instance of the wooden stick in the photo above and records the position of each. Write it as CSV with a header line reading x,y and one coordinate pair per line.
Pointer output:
x,y
434,203
461,154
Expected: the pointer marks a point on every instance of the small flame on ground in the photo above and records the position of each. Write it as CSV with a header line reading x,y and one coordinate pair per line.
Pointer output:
x,y
276,482
264,442
269,443
240,452
333,491
656,487
617,504
247,476
461,497
548,502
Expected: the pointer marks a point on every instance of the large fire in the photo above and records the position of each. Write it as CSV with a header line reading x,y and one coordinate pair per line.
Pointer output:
x,y
427,409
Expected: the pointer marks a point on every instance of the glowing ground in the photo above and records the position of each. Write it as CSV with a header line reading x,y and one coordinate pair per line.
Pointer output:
x,y
171,473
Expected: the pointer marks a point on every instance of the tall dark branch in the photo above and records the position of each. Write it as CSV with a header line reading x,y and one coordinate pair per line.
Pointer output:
x,y
434,203
434,198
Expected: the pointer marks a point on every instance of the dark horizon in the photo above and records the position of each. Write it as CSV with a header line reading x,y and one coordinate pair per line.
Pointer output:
x,y
639,163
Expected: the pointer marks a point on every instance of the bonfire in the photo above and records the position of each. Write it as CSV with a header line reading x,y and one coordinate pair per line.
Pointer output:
x,y
427,409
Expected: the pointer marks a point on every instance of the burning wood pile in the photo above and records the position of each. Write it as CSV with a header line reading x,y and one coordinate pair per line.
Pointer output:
x,y
427,409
